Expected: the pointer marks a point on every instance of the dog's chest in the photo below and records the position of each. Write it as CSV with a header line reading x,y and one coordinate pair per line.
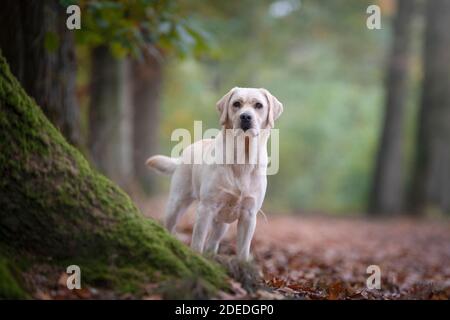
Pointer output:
x,y
237,191
231,206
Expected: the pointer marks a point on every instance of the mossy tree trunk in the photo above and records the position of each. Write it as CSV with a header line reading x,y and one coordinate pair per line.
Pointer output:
x,y
55,208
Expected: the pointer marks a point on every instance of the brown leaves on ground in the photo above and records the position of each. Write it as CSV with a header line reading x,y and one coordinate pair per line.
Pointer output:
x,y
327,258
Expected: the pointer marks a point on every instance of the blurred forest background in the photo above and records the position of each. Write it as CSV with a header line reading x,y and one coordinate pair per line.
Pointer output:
x,y
365,132
366,126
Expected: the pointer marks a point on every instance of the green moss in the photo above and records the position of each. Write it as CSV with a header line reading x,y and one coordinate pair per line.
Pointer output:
x,y
54,205
9,286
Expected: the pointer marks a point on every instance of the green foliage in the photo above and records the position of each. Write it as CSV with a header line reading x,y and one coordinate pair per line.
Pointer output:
x,y
129,27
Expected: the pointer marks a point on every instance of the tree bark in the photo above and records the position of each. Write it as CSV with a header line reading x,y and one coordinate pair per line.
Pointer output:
x,y
40,49
147,82
55,209
110,116
388,182
431,184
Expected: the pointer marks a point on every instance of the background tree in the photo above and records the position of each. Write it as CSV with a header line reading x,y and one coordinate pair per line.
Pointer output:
x,y
146,78
431,185
40,49
130,41
110,116
388,180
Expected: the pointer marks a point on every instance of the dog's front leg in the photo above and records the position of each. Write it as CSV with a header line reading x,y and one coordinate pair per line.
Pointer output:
x,y
201,227
218,230
245,230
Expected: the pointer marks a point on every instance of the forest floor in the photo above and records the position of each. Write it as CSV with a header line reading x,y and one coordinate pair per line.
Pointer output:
x,y
326,257
315,257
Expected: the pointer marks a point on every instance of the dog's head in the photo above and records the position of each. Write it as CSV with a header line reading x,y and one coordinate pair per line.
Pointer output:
x,y
249,109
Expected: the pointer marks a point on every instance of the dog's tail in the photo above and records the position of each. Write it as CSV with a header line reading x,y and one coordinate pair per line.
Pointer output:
x,y
162,164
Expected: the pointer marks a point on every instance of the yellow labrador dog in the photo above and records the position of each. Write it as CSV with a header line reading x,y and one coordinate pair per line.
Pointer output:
x,y
226,190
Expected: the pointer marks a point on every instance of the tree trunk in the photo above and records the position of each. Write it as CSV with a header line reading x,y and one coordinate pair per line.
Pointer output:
x,y
40,49
55,209
388,183
110,119
431,185
147,81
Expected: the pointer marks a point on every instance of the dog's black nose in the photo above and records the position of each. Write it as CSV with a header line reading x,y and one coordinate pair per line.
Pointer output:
x,y
245,117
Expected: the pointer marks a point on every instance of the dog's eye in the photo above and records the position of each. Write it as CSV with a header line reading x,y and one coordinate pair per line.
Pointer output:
x,y
258,105
237,104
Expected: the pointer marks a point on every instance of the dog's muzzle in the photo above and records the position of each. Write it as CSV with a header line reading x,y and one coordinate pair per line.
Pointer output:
x,y
246,121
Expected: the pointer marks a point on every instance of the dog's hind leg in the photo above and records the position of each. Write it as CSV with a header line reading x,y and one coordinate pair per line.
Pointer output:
x,y
201,227
218,230
180,199
176,207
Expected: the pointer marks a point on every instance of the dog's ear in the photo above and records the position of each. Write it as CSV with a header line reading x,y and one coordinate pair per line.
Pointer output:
x,y
222,107
275,108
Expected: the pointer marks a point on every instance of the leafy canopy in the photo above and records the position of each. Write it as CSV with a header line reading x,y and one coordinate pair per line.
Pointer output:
x,y
138,26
